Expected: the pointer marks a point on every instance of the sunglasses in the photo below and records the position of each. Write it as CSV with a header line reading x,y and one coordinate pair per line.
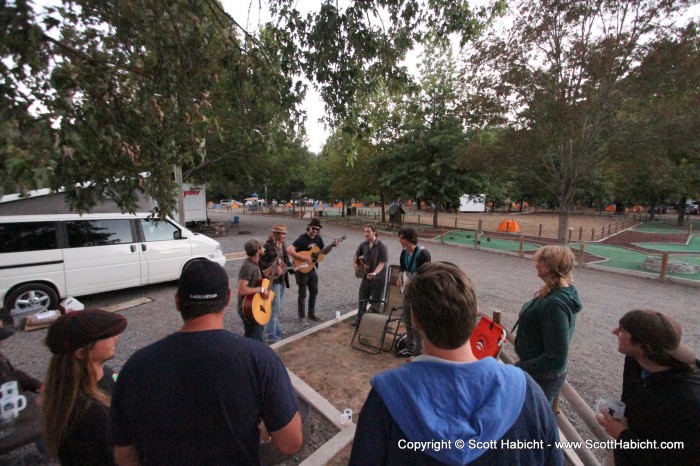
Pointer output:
x,y
315,229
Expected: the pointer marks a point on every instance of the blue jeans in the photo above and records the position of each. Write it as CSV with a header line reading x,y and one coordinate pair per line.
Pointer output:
x,y
551,387
273,331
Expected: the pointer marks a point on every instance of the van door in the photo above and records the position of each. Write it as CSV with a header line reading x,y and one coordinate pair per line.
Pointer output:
x,y
101,255
164,250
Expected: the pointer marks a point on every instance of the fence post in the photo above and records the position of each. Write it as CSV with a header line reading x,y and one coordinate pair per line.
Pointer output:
x,y
497,317
480,225
418,219
455,222
476,240
520,247
540,233
664,266
593,234
571,231
580,234
581,253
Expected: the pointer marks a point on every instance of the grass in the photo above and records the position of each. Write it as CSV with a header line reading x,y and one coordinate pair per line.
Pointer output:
x,y
467,238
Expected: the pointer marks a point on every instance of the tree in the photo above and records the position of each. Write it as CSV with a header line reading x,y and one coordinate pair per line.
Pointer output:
x,y
427,160
144,86
557,74
653,144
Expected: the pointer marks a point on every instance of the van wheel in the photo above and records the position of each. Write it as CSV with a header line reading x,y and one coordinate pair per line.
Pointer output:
x,y
32,297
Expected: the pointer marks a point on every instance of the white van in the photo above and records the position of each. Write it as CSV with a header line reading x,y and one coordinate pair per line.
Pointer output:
x,y
44,258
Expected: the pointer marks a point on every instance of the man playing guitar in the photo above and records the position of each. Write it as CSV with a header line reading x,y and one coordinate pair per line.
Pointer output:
x,y
248,278
307,279
375,254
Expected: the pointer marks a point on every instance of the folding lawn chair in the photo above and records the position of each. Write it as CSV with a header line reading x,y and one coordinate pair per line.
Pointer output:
x,y
373,327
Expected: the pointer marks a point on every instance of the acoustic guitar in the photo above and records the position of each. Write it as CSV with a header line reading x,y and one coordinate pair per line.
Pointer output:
x,y
362,268
316,254
256,308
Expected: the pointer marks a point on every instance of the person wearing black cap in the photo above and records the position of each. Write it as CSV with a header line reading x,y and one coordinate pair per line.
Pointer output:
x,y
197,396
661,392
8,373
75,405
307,280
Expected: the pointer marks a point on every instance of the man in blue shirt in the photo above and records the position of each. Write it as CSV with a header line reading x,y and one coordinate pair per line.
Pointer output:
x,y
457,409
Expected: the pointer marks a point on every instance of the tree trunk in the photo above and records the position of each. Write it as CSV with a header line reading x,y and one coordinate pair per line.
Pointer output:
x,y
681,211
381,201
563,224
435,217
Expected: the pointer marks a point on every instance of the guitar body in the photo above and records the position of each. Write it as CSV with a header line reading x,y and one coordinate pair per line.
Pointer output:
x,y
316,254
363,269
256,308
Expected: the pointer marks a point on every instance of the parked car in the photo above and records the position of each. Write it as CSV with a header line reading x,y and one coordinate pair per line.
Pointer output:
x,y
228,202
692,209
48,257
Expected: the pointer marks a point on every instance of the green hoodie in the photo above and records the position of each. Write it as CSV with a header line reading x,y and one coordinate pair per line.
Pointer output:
x,y
545,328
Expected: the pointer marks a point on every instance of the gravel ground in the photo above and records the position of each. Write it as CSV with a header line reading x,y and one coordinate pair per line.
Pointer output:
x,y
503,283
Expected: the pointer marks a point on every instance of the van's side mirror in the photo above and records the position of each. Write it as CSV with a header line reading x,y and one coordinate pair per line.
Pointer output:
x,y
177,234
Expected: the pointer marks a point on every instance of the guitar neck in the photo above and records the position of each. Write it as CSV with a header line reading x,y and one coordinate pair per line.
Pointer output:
x,y
327,249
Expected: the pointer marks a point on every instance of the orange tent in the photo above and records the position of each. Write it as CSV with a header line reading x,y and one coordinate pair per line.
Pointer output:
x,y
509,226
611,208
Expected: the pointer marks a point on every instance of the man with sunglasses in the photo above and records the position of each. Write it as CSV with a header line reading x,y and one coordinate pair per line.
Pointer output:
x,y
307,280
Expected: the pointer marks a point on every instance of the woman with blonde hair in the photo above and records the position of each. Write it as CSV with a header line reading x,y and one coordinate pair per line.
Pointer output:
x,y
275,264
76,396
546,323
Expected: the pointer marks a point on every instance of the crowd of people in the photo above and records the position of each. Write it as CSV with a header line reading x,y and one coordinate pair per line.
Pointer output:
x,y
204,395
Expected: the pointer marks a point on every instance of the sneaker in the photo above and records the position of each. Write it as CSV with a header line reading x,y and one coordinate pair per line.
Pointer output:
x,y
304,322
405,353
316,318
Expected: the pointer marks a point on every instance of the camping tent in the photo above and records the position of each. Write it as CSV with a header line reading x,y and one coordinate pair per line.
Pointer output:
x,y
509,226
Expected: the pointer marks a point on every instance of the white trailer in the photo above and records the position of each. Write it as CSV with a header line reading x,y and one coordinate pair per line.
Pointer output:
x,y
472,203
195,200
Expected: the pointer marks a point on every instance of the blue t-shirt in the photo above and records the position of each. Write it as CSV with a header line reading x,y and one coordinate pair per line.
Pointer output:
x,y
197,398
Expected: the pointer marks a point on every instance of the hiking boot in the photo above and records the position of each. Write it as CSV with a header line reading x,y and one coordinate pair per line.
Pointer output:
x,y
315,318
304,322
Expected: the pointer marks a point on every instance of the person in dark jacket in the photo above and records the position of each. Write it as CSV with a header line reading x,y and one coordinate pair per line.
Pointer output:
x,y
76,405
447,407
412,257
661,392
546,323
8,373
